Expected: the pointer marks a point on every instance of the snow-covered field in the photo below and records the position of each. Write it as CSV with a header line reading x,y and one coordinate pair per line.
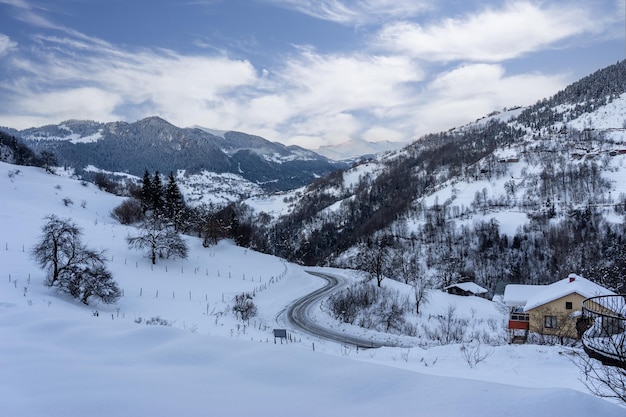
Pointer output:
x,y
61,358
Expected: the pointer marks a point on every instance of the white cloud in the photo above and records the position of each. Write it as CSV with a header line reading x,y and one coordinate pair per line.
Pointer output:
x,y
73,103
327,129
471,91
330,97
310,98
356,12
382,133
6,44
316,99
142,82
335,83
494,34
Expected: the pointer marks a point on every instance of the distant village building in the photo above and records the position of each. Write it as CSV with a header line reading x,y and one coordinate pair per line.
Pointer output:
x,y
553,309
466,289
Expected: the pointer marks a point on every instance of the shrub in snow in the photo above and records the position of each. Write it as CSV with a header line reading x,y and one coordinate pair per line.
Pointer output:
x,y
129,212
244,307
473,353
449,327
153,321
372,307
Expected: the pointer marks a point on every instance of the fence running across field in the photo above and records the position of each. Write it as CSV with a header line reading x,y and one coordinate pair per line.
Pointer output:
x,y
603,328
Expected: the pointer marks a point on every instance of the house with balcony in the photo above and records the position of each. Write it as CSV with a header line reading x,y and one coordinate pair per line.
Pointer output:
x,y
550,310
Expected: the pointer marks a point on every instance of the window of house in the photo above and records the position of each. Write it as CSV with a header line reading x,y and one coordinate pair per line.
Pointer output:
x,y
568,305
520,317
549,322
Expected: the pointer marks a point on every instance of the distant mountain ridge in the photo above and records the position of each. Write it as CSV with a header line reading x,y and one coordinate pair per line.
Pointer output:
x,y
357,148
157,145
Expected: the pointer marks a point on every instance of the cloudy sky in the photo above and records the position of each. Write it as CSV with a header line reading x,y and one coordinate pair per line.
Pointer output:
x,y
307,72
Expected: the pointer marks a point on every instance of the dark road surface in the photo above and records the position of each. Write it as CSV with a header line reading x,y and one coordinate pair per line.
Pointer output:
x,y
298,314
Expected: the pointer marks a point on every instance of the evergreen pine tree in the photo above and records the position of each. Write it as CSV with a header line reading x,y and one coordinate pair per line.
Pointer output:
x,y
157,200
146,192
174,203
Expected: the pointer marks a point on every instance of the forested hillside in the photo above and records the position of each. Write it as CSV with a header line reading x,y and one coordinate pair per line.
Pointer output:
x,y
15,152
524,195
157,145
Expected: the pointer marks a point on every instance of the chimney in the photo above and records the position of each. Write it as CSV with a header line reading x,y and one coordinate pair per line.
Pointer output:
x,y
572,279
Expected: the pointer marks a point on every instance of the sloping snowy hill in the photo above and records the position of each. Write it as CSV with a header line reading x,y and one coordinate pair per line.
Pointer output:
x,y
61,358
527,195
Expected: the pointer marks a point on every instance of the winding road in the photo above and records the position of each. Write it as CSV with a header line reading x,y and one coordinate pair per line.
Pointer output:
x,y
298,314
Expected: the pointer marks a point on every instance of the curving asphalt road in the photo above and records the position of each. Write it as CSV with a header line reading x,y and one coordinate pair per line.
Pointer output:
x,y
298,314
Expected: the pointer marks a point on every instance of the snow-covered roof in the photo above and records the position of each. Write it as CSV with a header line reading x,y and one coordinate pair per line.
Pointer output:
x,y
469,287
516,295
533,296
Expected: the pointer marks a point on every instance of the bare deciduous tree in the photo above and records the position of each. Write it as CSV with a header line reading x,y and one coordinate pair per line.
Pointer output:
x,y
604,365
71,267
474,353
160,239
604,380
421,292
129,212
375,258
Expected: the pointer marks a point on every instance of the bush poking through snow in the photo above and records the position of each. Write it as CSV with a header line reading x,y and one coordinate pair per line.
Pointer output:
x,y
474,353
153,321
129,212
372,307
244,307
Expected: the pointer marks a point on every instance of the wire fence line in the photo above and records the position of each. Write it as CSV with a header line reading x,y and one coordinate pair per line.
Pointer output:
x,y
16,278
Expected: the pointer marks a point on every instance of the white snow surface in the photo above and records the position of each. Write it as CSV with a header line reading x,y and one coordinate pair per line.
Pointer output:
x,y
59,358
609,116
517,295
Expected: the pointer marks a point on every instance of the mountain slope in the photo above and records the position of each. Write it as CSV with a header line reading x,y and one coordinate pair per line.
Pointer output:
x,y
60,357
156,145
527,195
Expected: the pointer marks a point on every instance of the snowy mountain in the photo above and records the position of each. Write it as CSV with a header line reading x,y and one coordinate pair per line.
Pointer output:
x,y
156,145
172,344
526,195
357,149
523,195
